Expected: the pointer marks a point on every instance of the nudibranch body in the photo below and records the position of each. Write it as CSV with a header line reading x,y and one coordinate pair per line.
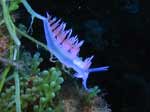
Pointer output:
x,y
66,48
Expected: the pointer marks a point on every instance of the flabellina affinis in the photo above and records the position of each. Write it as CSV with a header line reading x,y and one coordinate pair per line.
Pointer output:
x,y
66,48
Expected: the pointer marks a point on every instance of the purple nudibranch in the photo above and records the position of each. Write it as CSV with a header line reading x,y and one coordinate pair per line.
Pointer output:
x,y
62,44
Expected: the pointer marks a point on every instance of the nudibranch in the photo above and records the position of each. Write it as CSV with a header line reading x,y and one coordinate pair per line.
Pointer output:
x,y
65,47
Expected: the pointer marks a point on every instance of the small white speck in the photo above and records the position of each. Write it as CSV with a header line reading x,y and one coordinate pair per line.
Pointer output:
x,y
79,7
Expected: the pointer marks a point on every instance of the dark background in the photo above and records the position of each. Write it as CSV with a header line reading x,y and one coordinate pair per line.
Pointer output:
x,y
117,32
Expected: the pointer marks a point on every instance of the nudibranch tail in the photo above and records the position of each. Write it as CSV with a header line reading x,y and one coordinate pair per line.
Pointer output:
x,y
99,69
